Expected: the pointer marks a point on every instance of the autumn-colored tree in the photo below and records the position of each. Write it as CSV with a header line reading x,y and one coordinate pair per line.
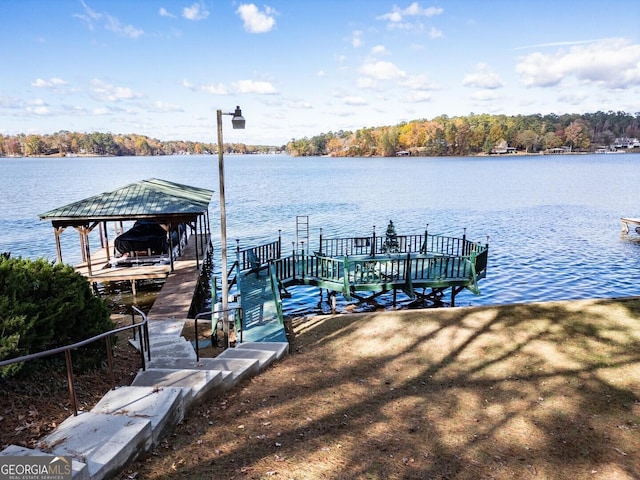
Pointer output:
x,y
335,145
527,139
577,136
34,145
551,140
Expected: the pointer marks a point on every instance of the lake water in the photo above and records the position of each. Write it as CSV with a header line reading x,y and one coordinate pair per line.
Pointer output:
x,y
553,222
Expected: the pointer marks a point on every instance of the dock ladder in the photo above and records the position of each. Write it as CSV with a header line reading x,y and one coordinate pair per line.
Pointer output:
x,y
302,231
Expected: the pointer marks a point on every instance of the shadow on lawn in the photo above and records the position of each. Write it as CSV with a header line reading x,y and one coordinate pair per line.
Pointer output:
x,y
522,391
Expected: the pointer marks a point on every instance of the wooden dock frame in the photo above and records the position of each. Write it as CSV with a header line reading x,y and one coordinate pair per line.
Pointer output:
x,y
176,296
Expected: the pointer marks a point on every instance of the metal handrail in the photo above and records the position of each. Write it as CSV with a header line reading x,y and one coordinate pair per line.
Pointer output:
x,y
142,328
209,316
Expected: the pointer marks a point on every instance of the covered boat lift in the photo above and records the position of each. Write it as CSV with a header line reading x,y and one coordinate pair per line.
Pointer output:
x,y
169,204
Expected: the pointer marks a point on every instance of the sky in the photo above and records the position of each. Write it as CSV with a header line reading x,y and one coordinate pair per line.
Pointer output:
x,y
299,68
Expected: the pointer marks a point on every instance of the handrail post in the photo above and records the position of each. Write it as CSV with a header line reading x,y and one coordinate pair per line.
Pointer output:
x,y
70,382
142,346
110,361
147,342
195,326
373,242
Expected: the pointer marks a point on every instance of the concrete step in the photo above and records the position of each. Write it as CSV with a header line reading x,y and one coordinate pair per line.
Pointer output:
x,y
165,327
163,407
160,341
79,470
177,349
281,349
239,368
106,443
264,357
196,385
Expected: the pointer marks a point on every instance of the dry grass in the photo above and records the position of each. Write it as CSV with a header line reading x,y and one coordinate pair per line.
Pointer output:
x,y
548,391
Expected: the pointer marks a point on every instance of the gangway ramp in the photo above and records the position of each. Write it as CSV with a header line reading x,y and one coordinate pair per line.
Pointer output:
x,y
261,310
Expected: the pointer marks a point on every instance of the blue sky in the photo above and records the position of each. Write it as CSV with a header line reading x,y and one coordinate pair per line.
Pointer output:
x,y
303,67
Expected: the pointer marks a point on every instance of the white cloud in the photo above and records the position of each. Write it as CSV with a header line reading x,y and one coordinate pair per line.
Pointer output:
x,y
219,89
101,111
240,86
418,82
378,50
399,18
195,12
163,12
187,84
302,105
382,71
576,98
483,77
366,82
109,22
164,107
354,101
256,21
608,63
249,86
417,96
104,91
435,33
37,106
356,39
53,82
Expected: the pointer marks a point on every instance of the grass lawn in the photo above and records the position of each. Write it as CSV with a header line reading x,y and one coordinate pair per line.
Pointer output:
x,y
540,391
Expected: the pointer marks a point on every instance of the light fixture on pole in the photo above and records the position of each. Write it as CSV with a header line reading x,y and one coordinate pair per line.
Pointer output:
x,y
238,123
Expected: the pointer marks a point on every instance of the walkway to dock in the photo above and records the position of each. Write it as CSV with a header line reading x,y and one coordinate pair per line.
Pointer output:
x,y
180,288
261,318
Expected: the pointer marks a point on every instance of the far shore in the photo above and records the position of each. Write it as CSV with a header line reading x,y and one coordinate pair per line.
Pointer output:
x,y
481,154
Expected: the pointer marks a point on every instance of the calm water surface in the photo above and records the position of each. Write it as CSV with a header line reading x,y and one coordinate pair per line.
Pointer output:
x,y
553,222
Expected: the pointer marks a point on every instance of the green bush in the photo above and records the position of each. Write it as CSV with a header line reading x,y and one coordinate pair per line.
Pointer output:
x,y
46,305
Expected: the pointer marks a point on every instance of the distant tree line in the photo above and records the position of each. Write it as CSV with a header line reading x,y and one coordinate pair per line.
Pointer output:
x,y
475,134
66,143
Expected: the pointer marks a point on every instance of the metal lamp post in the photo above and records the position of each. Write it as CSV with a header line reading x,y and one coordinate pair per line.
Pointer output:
x,y
238,123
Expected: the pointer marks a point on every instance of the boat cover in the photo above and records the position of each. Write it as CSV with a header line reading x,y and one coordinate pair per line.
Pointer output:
x,y
145,235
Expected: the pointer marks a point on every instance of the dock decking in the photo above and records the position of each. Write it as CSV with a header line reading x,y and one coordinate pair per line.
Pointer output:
x,y
176,295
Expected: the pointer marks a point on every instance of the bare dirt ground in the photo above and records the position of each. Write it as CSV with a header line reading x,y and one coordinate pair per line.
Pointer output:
x,y
32,407
540,391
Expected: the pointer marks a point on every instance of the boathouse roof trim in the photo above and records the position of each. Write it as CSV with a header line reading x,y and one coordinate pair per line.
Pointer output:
x,y
152,198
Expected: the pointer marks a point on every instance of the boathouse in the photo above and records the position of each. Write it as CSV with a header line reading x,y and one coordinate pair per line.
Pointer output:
x,y
181,210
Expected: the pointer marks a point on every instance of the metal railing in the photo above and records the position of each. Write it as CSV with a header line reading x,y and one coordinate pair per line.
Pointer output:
x,y
252,258
141,329
378,245
236,319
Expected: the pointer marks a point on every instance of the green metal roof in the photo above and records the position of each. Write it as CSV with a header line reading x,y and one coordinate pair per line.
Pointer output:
x,y
144,199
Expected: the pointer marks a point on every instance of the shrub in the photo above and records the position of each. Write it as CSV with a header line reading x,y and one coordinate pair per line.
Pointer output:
x,y
45,305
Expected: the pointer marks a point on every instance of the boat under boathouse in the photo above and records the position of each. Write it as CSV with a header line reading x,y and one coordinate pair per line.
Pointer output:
x,y
168,218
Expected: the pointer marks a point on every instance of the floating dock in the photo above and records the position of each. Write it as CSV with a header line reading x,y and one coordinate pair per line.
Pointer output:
x,y
422,266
